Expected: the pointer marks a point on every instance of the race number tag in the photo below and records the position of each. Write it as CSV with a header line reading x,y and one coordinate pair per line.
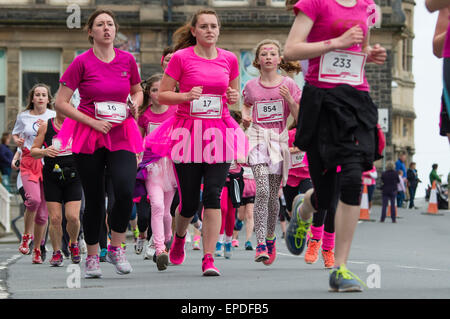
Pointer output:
x,y
367,181
297,159
151,127
207,106
342,66
114,112
269,111
56,142
248,173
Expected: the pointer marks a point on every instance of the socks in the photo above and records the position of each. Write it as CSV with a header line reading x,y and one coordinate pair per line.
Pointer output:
x,y
272,238
317,232
112,248
221,237
328,241
228,239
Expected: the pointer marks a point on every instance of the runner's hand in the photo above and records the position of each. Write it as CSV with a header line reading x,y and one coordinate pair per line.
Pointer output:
x,y
51,151
377,54
246,121
232,95
101,126
284,92
194,94
351,37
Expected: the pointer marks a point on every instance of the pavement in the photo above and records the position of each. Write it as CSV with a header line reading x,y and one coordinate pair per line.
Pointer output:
x,y
406,260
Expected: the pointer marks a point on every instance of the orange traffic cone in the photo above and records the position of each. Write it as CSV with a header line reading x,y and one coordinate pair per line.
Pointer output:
x,y
432,203
364,210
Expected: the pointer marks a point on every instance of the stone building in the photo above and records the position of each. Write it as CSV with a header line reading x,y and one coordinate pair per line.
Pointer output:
x,y
40,38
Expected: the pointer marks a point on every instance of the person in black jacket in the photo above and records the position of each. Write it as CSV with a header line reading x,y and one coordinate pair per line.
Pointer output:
x,y
6,156
390,180
413,181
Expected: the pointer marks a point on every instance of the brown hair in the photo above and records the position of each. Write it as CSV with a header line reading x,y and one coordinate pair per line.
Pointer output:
x,y
146,85
30,105
290,4
93,16
236,115
5,136
183,37
288,67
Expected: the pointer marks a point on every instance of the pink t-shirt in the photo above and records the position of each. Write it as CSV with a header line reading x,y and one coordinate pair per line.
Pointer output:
x,y
300,173
257,95
214,75
149,120
331,20
98,81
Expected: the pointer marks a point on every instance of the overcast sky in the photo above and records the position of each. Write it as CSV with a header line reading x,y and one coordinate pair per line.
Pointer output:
x,y
430,146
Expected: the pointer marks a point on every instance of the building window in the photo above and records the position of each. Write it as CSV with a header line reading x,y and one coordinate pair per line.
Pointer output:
x,y
407,55
40,66
277,3
405,129
2,90
229,3
16,2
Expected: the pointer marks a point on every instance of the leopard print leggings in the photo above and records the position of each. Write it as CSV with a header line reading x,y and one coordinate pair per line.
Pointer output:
x,y
267,205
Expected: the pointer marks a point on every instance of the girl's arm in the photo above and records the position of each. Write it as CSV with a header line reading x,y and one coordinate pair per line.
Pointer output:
x,y
376,54
293,105
297,48
36,150
246,115
137,97
440,32
434,5
168,96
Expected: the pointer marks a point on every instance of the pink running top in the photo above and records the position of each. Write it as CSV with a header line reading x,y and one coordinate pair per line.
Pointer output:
x,y
150,120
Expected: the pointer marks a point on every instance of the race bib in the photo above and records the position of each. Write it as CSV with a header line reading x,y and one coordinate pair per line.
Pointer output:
x,y
207,106
269,111
56,142
342,66
297,159
151,127
114,112
367,181
248,173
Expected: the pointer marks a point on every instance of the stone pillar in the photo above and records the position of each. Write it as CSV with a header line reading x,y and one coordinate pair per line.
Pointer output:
x,y
12,89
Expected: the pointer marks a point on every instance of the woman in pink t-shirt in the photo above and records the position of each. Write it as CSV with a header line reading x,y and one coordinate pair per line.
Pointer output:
x,y
104,134
160,181
202,138
337,120
270,98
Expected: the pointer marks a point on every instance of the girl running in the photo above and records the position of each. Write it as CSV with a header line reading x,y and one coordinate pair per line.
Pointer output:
x,y
62,186
208,79
37,112
336,91
160,181
104,134
271,97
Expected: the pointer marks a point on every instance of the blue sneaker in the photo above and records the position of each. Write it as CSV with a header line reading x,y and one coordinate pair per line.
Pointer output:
x,y
248,245
218,252
297,229
227,253
343,280
102,257
238,224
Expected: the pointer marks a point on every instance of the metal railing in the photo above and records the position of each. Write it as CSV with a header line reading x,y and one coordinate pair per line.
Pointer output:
x,y
5,214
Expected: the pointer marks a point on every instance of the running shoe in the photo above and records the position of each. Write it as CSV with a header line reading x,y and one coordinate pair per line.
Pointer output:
x,y
227,252
36,257
177,252
297,229
102,257
343,280
328,258
24,247
162,260
83,247
238,224
92,269
196,243
218,252
57,259
66,253
75,253
208,267
43,252
312,251
271,251
248,245
235,243
261,253
139,246
117,258
136,233
150,251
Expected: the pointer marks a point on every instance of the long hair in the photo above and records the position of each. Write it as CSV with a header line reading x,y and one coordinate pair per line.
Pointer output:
x,y
183,37
288,67
290,4
146,85
30,105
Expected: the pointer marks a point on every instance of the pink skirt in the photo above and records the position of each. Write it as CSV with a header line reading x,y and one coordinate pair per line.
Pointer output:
x,y
193,140
162,173
86,140
249,188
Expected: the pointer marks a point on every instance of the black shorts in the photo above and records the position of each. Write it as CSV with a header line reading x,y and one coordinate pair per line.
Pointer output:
x,y
290,192
61,189
248,200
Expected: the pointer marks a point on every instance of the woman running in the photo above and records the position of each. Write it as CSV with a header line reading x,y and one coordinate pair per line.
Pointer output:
x,y
37,112
334,36
202,138
62,186
271,98
104,134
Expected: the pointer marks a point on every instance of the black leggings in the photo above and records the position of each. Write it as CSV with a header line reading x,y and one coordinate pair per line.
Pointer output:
x,y
144,212
91,167
190,179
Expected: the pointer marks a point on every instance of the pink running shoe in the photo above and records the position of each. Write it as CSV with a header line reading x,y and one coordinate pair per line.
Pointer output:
x,y
271,251
177,252
235,243
208,267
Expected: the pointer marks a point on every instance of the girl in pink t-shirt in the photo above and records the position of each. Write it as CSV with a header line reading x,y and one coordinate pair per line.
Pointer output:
x,y
270,98
104,134
160,181
202,138
337,120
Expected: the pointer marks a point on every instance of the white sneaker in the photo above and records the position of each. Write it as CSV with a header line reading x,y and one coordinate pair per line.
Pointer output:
x,y
150,251
83,247
139,246
188,237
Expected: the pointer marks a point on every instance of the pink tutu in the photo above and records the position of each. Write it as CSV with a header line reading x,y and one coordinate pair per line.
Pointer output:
x,y
249,188
121,137
162,173
186,139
